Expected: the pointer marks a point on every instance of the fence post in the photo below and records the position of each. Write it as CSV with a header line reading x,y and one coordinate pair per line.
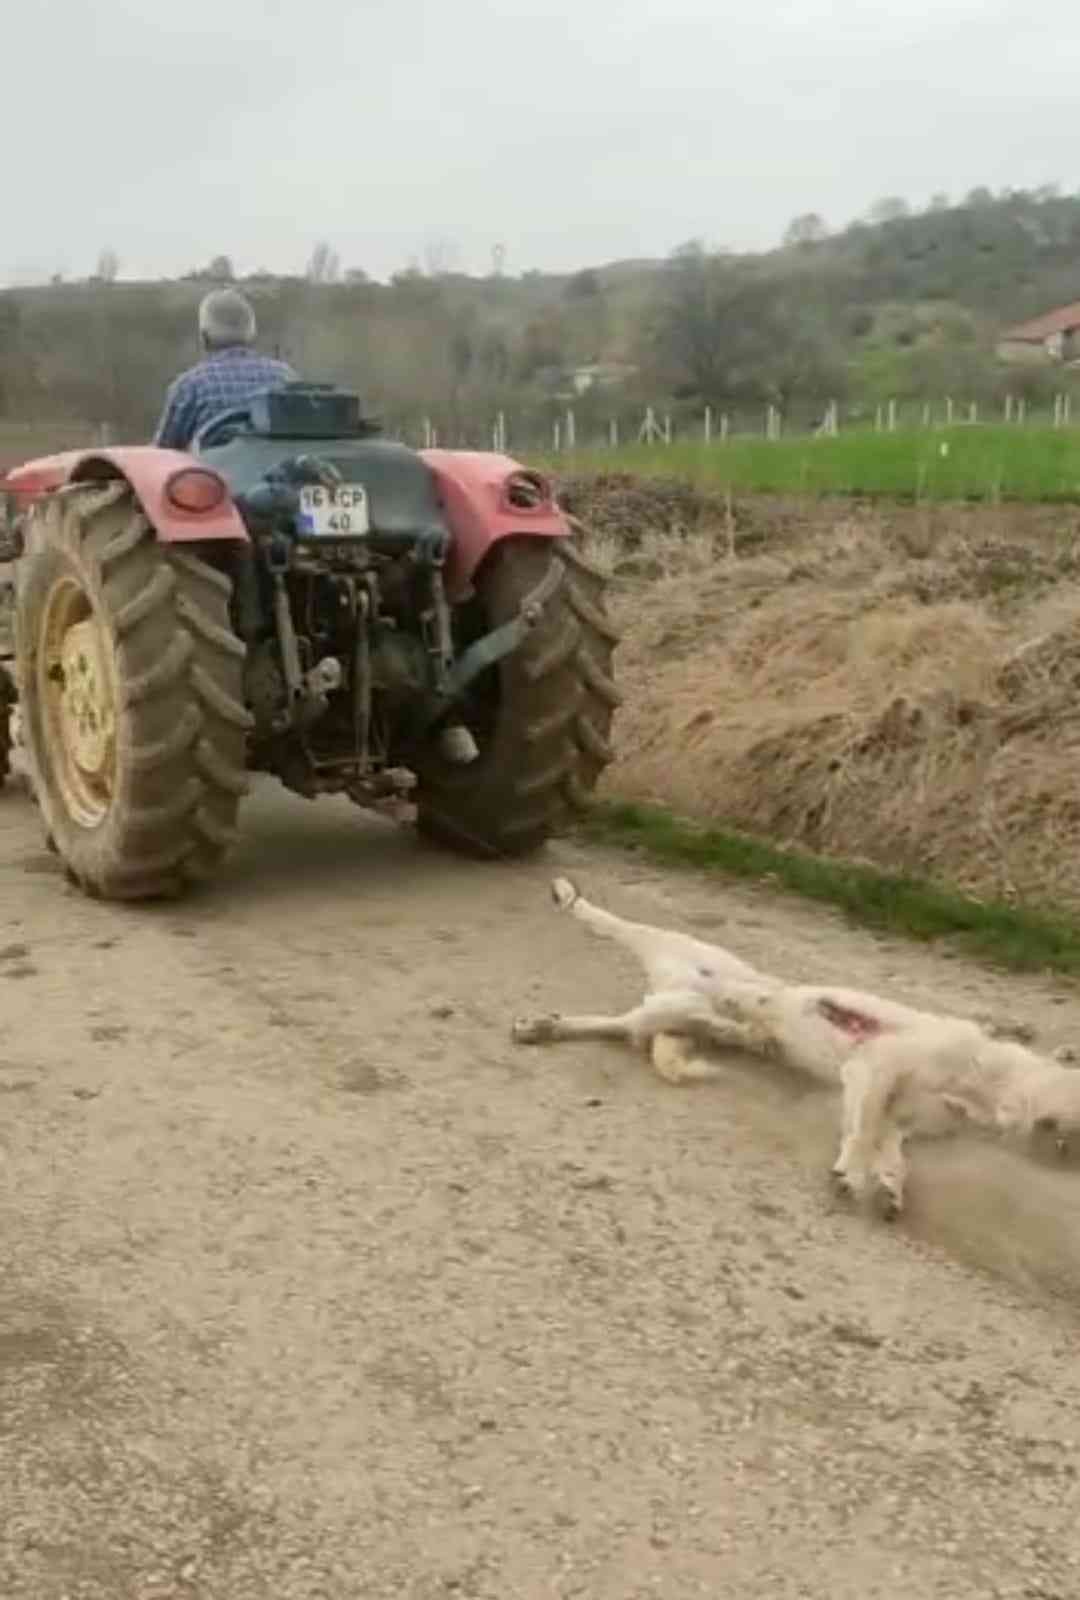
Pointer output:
x,y
892,416
667,430
613,433
973,412
708,424
571,432
650,428
1008,408
948,412
1021,410
877,420
557,435
724,427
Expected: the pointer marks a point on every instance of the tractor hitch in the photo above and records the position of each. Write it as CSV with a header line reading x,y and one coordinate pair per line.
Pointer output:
x,y
494,646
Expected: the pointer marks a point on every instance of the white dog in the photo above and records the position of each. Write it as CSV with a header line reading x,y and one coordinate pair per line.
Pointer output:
x,y
902,1071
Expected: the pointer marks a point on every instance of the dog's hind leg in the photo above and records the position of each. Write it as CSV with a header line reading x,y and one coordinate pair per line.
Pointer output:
x,y
670,959
675,1055
675,1059
685,1013
552,1028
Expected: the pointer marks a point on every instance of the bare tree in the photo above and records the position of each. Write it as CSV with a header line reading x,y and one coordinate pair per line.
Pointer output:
x,y
108,266
324,264
809,228
892,208
440,255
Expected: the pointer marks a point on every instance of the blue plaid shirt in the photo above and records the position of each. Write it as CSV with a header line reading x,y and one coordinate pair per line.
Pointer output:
x,y
223,380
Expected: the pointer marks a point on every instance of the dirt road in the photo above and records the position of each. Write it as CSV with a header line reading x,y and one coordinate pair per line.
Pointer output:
x,y
314,1286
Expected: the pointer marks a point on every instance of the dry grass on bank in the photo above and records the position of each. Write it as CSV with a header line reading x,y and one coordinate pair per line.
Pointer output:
x,y
897,685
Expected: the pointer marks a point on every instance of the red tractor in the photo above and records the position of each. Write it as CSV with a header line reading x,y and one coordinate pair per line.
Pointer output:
x,y
299,596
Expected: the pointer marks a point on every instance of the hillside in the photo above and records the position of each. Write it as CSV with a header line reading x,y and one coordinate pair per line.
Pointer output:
x,y
900,305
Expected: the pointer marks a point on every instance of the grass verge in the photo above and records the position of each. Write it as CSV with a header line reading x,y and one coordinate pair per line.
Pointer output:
x,y
1004,935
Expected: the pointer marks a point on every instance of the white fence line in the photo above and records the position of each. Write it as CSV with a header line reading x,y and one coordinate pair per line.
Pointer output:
x,y
708,428
714,431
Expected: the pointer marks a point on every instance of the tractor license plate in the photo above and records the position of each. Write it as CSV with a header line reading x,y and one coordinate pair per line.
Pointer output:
x,y
337,513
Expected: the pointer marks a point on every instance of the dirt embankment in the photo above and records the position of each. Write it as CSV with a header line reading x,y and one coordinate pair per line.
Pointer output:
x,y
896,684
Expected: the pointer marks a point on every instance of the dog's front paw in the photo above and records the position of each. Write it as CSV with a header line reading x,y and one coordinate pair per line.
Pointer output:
x,y
534,1030
563,892
846,1185
888,1201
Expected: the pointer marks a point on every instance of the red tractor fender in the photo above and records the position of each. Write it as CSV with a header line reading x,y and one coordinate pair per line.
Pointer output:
x,y
488,497
147,468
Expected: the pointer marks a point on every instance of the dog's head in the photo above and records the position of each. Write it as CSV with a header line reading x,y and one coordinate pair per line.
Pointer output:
x,y
1036,1100
1054,1116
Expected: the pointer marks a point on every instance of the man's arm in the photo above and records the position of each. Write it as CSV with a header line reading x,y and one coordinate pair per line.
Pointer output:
x,y
177,425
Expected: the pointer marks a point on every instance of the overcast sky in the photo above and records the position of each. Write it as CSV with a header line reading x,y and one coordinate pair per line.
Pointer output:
x,y
174,130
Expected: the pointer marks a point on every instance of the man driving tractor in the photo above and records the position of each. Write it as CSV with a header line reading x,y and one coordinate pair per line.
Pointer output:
x,y
228,375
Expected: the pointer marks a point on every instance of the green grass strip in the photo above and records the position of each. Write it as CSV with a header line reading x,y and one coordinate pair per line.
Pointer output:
x,y
987,464
1004,935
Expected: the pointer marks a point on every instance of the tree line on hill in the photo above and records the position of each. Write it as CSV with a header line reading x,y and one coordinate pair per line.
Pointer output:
x,y
900,304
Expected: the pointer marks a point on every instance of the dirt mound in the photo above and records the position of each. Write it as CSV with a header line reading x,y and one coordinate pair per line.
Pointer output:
x,y
630,509
895,685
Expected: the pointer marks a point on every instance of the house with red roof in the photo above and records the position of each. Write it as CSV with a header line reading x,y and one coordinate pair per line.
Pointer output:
x,y
1055,336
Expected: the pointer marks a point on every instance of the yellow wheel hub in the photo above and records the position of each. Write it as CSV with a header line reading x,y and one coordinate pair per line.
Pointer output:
x,y
87,716
76,668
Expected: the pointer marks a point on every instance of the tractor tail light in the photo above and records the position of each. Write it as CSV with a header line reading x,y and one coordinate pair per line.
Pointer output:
x,y
527,491
195,489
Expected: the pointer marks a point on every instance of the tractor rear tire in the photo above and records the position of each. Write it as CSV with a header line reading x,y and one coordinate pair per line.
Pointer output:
x,y
7,686
7,703
541,717
130,682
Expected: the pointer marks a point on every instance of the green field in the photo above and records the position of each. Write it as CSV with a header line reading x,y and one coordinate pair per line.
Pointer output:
x,y
960,463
